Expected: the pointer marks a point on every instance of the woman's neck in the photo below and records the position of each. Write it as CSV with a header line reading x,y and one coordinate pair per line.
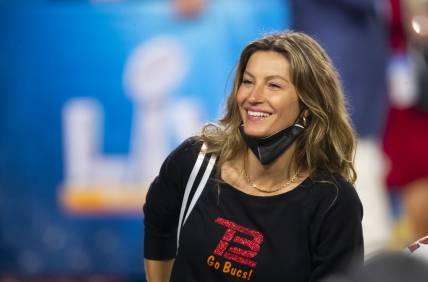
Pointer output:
x,y
269,175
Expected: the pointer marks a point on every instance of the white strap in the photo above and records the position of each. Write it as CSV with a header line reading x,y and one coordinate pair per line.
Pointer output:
x,y
201,185
189,185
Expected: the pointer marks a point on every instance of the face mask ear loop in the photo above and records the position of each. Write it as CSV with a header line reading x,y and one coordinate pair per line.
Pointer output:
x,y
301,116
305,121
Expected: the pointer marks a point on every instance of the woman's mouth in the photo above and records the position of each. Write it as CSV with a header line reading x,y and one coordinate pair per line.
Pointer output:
x,y
254,115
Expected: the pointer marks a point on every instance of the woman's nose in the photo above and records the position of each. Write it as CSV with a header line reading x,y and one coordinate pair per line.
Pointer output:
x,y
256,94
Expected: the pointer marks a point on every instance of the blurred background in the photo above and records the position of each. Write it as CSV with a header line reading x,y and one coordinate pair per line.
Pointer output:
x,y
94,94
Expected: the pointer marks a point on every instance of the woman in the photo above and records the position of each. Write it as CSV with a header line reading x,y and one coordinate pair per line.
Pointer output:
x,y
279,204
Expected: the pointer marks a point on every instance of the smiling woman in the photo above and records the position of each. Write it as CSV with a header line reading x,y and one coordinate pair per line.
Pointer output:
x,y
267,99
279,203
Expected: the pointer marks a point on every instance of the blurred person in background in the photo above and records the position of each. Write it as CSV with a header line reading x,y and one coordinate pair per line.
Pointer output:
x,y
279,204
353,32
391,267
406,134
189,8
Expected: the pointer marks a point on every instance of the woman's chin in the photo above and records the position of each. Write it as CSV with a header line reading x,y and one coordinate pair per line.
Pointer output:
x,y
255,133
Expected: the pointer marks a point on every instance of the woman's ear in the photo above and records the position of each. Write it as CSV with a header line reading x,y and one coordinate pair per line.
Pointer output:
x,y
306,113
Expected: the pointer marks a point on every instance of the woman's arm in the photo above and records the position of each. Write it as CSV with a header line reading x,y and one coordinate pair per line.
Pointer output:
x,y
158,270
161,211
338,241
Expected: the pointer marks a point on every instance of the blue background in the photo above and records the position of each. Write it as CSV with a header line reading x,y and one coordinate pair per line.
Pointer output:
x,y
52,51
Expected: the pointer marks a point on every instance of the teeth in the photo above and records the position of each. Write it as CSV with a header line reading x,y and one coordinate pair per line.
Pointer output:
x,y
258,114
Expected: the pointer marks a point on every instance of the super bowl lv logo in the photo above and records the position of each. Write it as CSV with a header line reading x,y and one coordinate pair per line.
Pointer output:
x,y
238,245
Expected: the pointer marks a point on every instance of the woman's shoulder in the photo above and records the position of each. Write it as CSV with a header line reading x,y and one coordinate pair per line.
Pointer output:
x,y
190,145
332,181
178,164
334,190
186,151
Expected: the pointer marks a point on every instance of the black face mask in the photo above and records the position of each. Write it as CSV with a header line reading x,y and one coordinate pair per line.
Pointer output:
x,y
267,149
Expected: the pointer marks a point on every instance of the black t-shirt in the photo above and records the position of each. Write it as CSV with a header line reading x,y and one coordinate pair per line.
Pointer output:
x,y
305,234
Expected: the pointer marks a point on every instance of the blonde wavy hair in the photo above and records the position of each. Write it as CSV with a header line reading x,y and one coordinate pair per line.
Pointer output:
x,y
328,142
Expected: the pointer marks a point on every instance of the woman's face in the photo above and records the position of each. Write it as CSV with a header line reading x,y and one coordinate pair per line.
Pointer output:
x,y
267,99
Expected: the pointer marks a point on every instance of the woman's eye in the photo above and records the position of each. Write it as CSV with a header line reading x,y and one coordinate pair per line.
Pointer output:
x,y
274,86
246,81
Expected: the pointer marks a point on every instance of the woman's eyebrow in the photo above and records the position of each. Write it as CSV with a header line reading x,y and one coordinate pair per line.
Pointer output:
x,y
276,76
248,73
268,77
